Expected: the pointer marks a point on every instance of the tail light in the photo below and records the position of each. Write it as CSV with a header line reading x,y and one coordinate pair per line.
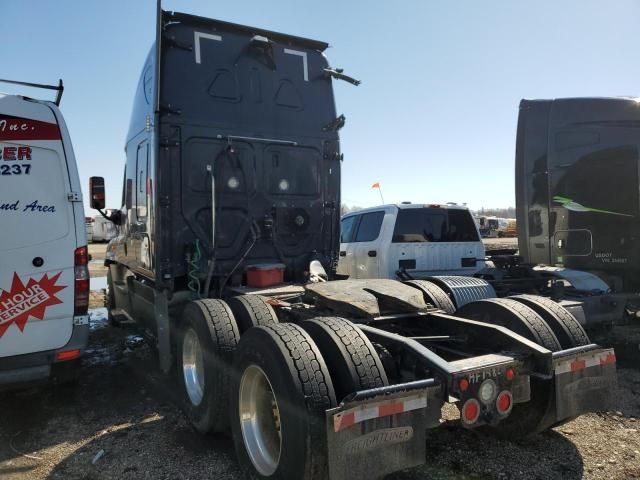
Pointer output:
x,y
81,297
471,411
504,403
463,384
67,355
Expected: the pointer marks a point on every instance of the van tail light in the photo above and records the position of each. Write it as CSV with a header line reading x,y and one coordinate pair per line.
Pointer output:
x,y
81,296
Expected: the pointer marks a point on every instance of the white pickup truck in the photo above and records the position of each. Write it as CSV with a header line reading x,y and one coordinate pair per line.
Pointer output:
x,y
421,240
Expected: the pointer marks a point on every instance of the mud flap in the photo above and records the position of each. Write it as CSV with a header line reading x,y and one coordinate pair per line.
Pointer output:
x,y
379,431
584,382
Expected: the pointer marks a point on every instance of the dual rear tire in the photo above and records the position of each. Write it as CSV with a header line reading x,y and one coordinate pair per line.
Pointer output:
x,y
272,386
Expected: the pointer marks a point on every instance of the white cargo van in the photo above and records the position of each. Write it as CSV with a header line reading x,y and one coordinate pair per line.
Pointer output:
x,y
421,240
44,279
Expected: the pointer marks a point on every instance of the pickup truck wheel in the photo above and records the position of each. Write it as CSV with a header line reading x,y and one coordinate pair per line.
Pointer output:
x,y
280,393
351,358
533,416
566,327
434,295
208,337
252,311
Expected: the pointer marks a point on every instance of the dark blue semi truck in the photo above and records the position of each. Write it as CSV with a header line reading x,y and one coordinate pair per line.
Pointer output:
x,y
229,235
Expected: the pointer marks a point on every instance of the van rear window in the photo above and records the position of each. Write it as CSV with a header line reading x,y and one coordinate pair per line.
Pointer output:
x,y
434,225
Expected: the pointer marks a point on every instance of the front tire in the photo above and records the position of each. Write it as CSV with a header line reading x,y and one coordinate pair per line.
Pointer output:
x,y
207,340
280,393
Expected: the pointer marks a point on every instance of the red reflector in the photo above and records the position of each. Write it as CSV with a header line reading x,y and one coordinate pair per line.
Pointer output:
x,y
578,365
470,411
463,384
504,402
609,359
390,409
68,355
509,374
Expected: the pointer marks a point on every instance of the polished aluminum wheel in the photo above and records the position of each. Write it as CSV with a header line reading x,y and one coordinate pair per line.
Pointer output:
x,y
260,420
193,367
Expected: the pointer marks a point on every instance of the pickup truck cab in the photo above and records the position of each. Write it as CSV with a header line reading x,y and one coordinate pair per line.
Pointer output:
x,y
421,240
44,280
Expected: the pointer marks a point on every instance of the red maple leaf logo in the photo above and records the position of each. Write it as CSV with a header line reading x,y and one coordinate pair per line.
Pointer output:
x,y
23,301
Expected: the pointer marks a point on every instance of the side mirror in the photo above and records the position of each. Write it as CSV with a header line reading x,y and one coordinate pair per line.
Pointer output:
x,y
96,191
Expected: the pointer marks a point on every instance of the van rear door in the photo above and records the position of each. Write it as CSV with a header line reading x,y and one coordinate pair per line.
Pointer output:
x,y
38,238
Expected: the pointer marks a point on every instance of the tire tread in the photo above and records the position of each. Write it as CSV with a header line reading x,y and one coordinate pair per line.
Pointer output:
x,y
434,295
576,333
252,311
367,365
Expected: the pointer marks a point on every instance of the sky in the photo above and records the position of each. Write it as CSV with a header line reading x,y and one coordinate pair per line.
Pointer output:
x,y
434,119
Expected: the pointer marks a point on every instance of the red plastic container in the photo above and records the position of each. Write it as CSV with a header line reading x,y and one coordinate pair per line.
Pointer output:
x,y
265,275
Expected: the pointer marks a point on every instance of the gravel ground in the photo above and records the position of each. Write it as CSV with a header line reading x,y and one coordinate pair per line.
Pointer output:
x,y
123,422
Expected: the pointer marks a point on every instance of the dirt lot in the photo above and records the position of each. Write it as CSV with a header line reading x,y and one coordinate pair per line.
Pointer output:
x,y
123,421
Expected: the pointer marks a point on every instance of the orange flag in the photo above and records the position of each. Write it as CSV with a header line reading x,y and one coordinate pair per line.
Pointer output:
x,y
376,185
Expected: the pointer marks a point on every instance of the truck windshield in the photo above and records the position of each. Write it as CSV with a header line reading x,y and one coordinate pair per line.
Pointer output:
x,y
434,225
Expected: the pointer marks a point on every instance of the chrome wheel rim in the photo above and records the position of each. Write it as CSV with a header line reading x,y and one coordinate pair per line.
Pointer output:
x,y
193,367
260,420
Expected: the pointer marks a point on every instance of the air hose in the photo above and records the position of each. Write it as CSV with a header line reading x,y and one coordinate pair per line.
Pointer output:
x,y
194,269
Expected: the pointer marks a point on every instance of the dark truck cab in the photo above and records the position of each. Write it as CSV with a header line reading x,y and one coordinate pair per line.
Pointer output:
x,y
577,186
233,163
225,95
578,204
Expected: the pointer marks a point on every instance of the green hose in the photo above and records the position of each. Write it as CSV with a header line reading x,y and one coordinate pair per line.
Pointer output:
x,y
194,264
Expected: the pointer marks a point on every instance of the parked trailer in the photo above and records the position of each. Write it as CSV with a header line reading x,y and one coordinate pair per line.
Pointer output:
x,y
231,187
